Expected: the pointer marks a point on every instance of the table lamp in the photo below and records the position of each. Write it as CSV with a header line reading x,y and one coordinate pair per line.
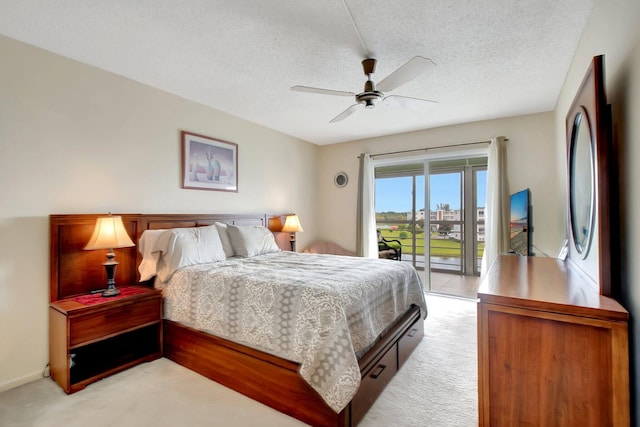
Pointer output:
x,y
109,234
292,225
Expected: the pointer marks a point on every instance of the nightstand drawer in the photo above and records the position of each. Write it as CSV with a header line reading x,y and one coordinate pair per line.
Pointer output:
x,y
103,323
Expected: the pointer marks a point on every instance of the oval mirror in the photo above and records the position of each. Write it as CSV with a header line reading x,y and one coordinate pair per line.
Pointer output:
x,y
581,183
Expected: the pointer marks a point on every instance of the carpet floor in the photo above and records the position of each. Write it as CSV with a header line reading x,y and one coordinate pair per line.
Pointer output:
x,y
436,387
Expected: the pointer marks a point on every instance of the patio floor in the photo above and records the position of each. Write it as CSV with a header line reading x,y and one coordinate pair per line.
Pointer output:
x,y
455,284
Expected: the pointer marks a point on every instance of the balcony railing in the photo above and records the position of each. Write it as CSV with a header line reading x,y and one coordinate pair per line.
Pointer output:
x,y
446,249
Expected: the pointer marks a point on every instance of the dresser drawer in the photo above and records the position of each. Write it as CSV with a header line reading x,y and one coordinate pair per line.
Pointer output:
x,y
409,341
103,323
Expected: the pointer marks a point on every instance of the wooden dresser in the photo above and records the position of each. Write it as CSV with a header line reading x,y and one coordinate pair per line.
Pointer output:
x,y
551,350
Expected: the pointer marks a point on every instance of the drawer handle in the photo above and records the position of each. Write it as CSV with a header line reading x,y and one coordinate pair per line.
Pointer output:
x,y
378,372
412,333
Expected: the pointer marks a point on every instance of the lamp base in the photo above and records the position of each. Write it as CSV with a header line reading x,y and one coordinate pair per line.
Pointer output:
x,y
110,268
111,291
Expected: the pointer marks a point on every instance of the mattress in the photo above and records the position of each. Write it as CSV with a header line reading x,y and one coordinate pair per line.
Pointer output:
x,y
315,309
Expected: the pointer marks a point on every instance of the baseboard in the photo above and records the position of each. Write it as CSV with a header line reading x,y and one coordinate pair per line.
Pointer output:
x,y
20,381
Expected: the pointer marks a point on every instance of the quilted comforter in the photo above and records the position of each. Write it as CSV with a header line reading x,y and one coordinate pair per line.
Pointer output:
x,y
315,309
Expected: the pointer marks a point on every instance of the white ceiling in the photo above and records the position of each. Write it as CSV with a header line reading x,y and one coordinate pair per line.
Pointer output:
x,y
495,58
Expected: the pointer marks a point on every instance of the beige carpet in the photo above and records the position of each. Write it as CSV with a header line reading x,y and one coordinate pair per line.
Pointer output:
x,y
436,387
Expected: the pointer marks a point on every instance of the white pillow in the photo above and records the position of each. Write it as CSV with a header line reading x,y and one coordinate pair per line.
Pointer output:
x,y
148,265
251,240
224,238
181,247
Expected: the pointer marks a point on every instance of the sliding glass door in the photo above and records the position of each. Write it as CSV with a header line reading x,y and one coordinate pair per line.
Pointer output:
x,y
400,210
457,198
446,220
447,238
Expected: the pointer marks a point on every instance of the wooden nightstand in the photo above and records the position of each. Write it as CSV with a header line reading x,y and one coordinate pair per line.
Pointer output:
x,y
91,337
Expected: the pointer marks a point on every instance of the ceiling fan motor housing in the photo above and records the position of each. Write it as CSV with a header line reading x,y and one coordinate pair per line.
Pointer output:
x,y
369,98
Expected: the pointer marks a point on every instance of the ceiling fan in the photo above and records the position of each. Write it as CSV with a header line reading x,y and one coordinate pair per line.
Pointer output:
x,y
373,93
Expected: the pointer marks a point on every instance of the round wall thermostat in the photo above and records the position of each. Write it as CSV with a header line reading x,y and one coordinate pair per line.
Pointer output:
x,y
341,179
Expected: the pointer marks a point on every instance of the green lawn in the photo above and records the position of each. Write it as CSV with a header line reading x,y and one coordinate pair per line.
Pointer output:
x,y
439,247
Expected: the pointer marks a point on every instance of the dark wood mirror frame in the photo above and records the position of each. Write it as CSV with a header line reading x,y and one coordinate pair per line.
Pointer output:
x,y
590,100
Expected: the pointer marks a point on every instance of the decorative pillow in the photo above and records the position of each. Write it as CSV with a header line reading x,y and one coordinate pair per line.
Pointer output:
x,y
181,247
148,266
251,240
224,238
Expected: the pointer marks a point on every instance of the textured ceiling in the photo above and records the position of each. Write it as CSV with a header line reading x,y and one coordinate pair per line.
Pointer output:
x,y
493,59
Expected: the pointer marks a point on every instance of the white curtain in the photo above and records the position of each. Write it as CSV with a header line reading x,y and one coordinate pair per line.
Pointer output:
x,y
497,209
367,240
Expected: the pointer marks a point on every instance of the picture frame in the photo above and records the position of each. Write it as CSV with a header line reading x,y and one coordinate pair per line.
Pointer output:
x,y
208,163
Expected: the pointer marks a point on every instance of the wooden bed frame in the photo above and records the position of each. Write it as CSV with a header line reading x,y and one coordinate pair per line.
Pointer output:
x,y
268,379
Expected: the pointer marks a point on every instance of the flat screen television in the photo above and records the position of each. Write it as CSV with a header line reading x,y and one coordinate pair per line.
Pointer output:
x,y
519,230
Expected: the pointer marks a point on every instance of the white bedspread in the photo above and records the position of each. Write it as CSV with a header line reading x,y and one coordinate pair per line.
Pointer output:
x,y
315,309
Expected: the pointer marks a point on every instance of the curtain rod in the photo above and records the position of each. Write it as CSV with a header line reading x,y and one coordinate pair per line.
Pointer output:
x,y
430,148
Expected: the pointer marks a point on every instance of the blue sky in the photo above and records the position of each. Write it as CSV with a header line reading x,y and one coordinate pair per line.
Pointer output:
x,y
394,194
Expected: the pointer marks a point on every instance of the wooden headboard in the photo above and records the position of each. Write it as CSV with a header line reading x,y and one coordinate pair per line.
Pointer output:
x,y
74,271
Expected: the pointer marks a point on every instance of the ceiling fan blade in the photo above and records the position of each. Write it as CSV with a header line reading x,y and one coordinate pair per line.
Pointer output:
x,y
406,101
407,72
346,113
321,91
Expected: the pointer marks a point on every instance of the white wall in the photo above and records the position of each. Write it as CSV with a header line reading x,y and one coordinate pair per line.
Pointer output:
x,y
75,139
613,30
531,164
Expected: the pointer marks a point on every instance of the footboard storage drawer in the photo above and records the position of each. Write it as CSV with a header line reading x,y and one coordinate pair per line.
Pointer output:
x,y
409,341
373,382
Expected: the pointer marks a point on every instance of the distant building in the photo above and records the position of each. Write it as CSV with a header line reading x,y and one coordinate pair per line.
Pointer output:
x,y
419,215
454,216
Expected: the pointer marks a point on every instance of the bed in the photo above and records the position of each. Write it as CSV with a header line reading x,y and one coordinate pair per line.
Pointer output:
x,y
265,373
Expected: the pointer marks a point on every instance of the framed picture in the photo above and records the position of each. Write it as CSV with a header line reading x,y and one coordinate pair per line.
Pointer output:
x,y
208,163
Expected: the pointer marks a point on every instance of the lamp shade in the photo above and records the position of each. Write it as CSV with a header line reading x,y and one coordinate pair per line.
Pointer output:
x,y
292,224
109,233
